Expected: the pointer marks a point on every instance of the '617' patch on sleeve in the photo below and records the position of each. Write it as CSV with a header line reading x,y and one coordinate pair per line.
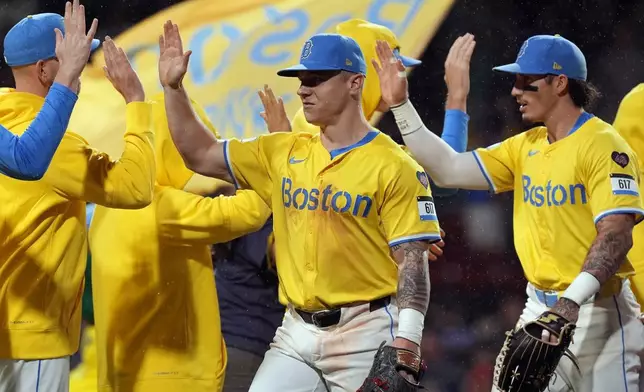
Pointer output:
x,y
623,184
426,208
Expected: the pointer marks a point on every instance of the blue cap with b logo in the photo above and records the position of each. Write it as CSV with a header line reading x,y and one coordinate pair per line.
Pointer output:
x,y
33,39
548,54
329,52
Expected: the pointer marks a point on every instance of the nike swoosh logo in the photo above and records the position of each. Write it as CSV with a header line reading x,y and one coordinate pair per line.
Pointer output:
x,y
293,161
532,152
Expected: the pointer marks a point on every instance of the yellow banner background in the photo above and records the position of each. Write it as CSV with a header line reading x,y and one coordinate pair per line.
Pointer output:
x,y
238,46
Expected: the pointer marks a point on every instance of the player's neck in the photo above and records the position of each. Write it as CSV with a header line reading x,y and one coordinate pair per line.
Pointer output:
x,y
24,85
561,120
345,131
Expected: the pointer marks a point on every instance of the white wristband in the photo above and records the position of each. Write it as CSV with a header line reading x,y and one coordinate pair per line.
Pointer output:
x,y
582,288
407,118
410,325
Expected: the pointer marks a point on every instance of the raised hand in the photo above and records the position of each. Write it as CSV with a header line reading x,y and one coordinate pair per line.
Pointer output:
x,y
120,73
274,113
73,48
173,62
457,71
391,71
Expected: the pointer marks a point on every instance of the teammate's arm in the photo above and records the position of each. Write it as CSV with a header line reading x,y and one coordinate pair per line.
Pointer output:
x,y
83,173
447,168
610,173
28,156
189,218
201,151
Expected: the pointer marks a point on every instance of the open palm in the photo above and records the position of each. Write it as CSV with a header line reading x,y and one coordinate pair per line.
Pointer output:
x,y
391,72
173,62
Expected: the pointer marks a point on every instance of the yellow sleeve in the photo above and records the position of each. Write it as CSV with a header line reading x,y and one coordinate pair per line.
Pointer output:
x,y
251,161
408,212
629,121
497,164
610,173
80,172
186,217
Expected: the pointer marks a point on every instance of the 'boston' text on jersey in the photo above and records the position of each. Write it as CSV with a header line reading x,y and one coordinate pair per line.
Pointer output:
x,y
339,201
552,194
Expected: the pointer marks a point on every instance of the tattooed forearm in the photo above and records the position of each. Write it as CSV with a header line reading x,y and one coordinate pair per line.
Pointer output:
x,y
413,275
608,251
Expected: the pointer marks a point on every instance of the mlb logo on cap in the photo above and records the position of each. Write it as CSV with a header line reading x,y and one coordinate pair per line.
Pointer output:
x,y
329,52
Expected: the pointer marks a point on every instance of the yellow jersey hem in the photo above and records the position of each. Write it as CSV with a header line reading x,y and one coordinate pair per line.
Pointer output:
x,y
229,165
139,116
487,176
37,344
432,237
639,213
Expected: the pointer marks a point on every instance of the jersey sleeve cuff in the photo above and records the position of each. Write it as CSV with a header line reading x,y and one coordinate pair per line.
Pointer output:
x,y
479,162
229,166
638,212
431,237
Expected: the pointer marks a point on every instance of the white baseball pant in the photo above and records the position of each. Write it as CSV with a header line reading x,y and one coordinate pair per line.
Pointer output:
x,y
305,358
45,375
607,343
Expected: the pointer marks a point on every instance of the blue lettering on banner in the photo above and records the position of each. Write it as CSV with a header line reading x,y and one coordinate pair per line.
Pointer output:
x,y
237,114
552,194
329,25
315,199
197,44
376,9
259,53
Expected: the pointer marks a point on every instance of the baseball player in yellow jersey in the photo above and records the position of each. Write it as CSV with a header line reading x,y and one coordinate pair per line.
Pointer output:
x,y
629,122
42,223
576,200
351,229
162,331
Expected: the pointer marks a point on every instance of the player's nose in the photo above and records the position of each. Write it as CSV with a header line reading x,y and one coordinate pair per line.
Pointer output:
x,y
304,91
516,92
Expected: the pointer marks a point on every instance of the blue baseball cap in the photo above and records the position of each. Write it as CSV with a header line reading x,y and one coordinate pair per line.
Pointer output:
x,y
33,39
329,52
548,54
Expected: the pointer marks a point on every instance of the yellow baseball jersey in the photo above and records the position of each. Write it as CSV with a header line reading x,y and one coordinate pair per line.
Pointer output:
x,y
629,122
336,214
561,190
155,302
43,248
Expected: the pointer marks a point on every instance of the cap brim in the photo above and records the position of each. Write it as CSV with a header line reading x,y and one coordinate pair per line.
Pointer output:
x,y
293,71
409,62
513,68
95,44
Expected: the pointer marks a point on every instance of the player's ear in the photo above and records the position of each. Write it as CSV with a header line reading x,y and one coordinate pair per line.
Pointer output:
x,y
561,84
356,82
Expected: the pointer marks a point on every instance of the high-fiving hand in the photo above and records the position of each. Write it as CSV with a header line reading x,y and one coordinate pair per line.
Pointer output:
x,y
391,71
119,71
457,70
73,48
274,113
173,62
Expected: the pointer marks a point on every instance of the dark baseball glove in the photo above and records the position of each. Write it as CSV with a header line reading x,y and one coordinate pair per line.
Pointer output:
x,y
526,362
384,374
